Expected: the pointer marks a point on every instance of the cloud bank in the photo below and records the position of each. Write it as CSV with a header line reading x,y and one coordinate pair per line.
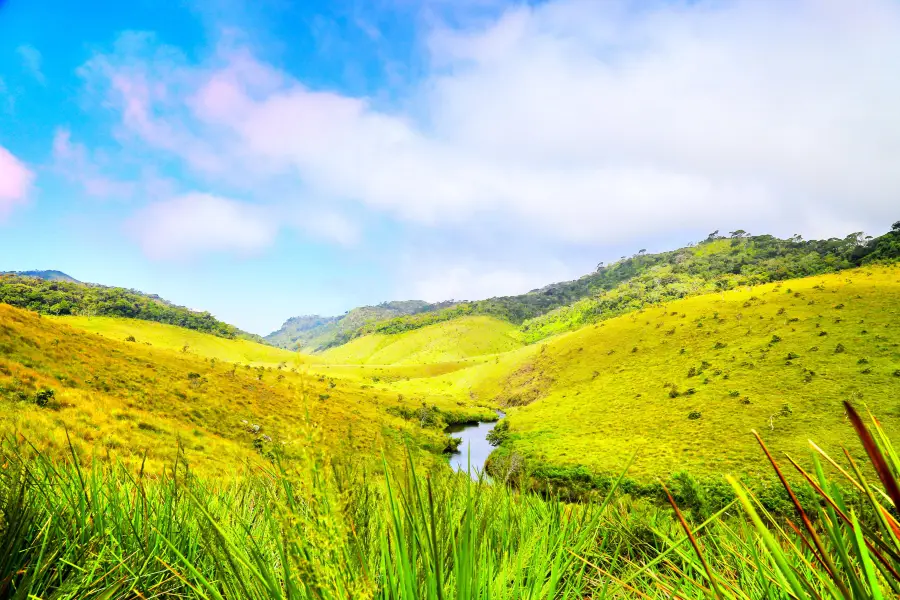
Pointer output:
x,y
574,122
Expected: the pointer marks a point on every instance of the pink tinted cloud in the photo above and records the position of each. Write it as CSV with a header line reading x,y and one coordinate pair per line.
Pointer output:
x,y
15,182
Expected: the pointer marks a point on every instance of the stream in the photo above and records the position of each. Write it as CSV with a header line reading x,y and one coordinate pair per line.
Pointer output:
x,y
474,449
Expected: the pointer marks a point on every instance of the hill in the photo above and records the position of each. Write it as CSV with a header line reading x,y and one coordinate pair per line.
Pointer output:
x,y
62,297
312,333
685,382
46,275
718,262
459,339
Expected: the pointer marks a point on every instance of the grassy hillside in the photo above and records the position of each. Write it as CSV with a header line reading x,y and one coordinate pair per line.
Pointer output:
x,y
444,342
684,383
120,399
187,341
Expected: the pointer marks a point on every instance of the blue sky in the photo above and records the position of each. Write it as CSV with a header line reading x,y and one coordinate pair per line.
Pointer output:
x,y
267,159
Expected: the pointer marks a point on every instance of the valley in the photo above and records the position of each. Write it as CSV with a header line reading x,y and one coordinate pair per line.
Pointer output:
x,y
653,384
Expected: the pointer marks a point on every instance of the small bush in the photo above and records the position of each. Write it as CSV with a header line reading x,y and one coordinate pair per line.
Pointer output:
x,y
839,306
866,371
673,392
792,355
694,415
775,339
897,373
734,393
745,400
839,349
719,345
130,338
823,333
43,397
863,361
692,372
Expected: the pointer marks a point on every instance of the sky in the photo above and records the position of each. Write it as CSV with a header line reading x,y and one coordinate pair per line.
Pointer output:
x,y
271,158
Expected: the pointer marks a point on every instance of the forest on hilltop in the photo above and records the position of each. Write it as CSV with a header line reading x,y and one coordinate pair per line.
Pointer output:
x,y
60,297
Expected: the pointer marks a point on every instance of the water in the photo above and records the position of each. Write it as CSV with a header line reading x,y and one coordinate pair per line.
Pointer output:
x,y
474,448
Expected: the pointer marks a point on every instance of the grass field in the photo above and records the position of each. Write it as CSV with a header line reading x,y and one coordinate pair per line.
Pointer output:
x,y
685,383
450,341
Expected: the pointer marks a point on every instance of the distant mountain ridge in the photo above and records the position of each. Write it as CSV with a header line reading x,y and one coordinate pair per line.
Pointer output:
x,y
45,275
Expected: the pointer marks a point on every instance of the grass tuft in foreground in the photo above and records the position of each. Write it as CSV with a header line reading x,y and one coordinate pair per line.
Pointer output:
x,y
331,530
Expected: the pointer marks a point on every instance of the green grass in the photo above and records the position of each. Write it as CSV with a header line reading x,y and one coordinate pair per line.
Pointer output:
x,y
325,529
449,341
684,383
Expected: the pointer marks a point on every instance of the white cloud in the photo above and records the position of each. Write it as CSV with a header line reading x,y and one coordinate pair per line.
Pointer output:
x,y
31,59
192,224
15,182
581,121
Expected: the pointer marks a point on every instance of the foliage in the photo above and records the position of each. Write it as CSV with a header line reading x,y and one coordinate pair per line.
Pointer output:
x,y
61,297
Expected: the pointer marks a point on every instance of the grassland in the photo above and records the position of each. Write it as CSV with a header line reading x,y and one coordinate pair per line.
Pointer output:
x,y
137,402
444,342
684,383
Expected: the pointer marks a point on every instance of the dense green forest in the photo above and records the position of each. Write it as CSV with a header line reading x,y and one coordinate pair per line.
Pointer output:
x,y
59,297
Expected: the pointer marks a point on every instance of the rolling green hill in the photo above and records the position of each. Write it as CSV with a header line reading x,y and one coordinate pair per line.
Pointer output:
x,y
459,339
684,383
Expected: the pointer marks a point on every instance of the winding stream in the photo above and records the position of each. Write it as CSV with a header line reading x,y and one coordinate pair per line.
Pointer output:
x,y
474,449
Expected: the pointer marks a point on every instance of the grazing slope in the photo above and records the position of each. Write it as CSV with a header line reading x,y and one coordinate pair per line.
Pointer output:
x,y
684,383
121,399
444,342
